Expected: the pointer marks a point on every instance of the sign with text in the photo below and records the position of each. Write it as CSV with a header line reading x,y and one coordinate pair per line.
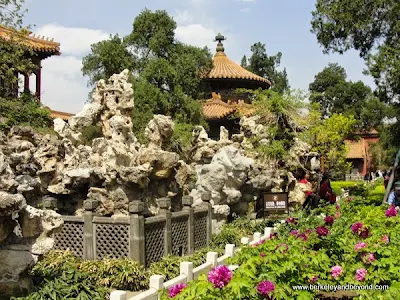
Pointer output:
x,y
276,202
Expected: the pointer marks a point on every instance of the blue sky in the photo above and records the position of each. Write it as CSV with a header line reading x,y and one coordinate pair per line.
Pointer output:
x,y
282,25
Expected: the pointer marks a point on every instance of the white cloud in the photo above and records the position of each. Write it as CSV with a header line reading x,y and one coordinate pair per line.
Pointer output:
x,y
245,10
64,88
196,35
75,41
183,17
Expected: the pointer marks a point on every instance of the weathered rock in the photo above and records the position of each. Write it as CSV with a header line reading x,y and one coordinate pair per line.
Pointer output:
x,y
159,130
11,203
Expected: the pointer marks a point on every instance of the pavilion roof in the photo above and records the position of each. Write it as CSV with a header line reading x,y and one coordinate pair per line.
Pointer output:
x,y
224,68
216,109
36,43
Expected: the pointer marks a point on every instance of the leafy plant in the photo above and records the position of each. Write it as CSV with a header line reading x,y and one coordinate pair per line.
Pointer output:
x,y
355,245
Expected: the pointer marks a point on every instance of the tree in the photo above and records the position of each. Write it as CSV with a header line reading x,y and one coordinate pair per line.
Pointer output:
x,y
266,66
167,73
328,140
243,63
370,27
107,58
331,90
14,55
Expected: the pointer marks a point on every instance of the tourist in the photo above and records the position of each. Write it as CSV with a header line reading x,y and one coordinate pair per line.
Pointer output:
x,y
386,178
325,190
309,202
394,196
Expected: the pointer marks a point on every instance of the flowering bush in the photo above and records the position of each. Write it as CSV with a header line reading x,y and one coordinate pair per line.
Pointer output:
x,y
357,247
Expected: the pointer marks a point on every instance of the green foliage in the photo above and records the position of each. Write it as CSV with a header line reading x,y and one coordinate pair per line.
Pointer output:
x,y
107,58
89,133
120,274
26,111
289,261
337,95
266,66
14,55
369,27
283,115
169,266
167,73
327,138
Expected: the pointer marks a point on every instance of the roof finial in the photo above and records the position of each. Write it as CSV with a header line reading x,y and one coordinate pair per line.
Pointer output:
x,y
219,38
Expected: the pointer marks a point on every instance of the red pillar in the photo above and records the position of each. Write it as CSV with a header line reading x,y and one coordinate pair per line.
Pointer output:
x,y
26,82
38,80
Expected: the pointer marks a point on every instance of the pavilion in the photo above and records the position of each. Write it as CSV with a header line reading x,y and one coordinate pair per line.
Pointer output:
x,y
225,106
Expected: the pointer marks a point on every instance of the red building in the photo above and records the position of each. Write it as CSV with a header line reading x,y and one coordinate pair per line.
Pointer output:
x,y
359,154
41,48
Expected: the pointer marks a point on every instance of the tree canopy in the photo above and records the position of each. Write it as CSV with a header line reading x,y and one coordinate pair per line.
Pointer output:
x,y
370,27
166,72
335,94
13,56
266,66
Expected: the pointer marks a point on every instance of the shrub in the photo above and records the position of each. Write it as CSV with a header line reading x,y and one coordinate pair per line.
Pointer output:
x,y
356,248
25,110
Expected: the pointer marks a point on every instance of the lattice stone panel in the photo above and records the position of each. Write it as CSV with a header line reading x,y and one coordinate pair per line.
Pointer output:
x,y
70,237
200,230
179,235
112,241
154,235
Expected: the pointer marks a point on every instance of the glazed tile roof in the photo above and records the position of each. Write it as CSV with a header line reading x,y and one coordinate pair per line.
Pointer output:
x,y
58,114
224,68
33,42
356,149
215,108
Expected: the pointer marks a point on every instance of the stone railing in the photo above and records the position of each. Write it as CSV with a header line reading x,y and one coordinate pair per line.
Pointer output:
x,y
145,240
188,273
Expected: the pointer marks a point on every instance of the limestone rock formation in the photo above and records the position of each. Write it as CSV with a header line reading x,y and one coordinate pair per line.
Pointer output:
x,y
25,234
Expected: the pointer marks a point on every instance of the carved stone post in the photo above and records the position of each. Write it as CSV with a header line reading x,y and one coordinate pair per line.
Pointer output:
x,y
206,198
187,202
137,248
165,210
88,240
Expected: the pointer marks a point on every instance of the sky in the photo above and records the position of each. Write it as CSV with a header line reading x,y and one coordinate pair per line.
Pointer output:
x,y
283,26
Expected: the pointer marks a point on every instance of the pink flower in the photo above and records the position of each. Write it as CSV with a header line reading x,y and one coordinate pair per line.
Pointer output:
x,y
364,233
359,246
336,271
337,215
329,219
220,276
259,243
391,212
294,232
356,227
385,239
175,290
368,258
349,199
273,235
337,206
308,231
290,220
262,254
314,279
322,231
265,288
360,274
302,236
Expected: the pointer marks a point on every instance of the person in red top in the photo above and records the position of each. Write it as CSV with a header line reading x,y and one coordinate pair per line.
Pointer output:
x,y
308,203
325,190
